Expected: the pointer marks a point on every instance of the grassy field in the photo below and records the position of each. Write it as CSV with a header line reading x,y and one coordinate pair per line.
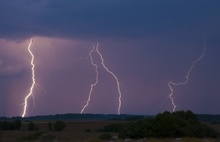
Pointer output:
x,y
79,132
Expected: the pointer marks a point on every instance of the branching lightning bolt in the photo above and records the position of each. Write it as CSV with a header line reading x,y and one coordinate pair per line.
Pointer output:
x,y
115,77
170,84
96,81
33,79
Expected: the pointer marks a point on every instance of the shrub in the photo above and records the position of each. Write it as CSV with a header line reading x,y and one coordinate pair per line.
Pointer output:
x,y
10,125
17,124
50,126
5,125
59,125
31,126
114,128
169,125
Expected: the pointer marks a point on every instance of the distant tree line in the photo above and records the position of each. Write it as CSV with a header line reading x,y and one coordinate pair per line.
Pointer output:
x,y
210,118
123,117
164,125
72,116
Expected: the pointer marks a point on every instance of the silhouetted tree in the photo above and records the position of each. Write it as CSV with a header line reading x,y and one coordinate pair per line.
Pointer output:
x,y
114,127
50,126
17,124
59,125
5,125
176,124
31,126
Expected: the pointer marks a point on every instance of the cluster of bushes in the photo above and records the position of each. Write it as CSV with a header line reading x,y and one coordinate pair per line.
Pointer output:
x,y
31,126
56,126
116,128
165,125
177,124
10,125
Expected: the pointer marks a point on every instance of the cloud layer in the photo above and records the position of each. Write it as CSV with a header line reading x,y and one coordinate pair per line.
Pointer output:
x,y
146,43
101,18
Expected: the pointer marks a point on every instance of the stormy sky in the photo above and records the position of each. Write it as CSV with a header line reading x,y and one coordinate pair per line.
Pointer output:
x,y
146,43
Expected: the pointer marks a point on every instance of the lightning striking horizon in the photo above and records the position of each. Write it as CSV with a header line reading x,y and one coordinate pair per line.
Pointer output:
x,y
33,79
170,84
115,77
96,81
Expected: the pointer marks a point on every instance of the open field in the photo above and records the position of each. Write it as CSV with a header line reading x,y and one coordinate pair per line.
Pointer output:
x,y
79,131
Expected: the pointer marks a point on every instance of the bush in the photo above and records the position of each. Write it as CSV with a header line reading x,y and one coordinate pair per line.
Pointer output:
x,y
169,125
50,126
59,125
17,124
114,128
8,125
5,125
31,126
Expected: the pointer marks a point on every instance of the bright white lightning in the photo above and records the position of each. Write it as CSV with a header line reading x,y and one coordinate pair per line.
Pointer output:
x,y
170,84
115,77
33,80
96,81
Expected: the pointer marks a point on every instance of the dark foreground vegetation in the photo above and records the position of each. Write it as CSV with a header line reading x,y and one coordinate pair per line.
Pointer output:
x,y
164,126
10,125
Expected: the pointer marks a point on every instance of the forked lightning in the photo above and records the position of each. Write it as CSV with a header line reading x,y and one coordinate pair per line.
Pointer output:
x,y
170,84
115,77
96,81
97,78
33,80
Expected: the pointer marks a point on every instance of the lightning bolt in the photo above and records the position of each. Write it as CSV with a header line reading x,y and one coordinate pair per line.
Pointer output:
x,y
115,77
170,84
96,81
33,80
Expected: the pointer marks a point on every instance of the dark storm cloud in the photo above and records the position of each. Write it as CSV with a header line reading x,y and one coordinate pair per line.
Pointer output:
x,y
102,18
146,43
